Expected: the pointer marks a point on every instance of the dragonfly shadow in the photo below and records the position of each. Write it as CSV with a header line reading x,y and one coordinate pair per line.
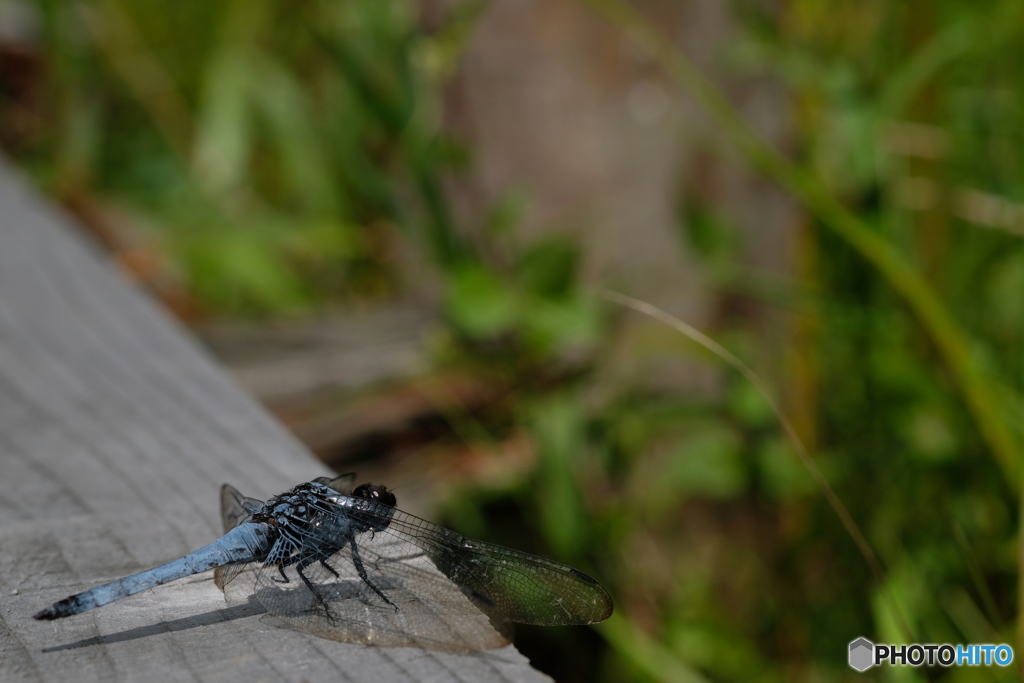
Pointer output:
x,y
240,611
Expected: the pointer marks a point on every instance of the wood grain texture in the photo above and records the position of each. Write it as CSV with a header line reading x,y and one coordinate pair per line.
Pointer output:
x,y
116,432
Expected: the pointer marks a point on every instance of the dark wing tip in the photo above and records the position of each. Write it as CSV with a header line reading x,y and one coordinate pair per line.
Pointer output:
x,y
603,606
608,606
580,575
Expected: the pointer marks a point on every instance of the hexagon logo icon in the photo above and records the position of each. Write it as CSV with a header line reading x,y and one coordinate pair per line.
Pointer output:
x,y
862,654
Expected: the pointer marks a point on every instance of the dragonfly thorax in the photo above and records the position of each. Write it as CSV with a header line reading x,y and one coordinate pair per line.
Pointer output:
x,y
312,510
296,508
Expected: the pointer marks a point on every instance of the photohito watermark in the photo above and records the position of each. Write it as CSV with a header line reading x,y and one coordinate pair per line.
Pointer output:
x,y
864,654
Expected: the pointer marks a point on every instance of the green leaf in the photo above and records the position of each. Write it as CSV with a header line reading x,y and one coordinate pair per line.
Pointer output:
x,y
479,303
242,274
557,323
549,268
557,426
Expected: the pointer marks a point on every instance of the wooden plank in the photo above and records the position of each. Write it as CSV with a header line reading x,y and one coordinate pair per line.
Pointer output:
x,y
116,432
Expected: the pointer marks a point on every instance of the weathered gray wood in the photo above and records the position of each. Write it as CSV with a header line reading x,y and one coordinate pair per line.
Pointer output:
x,y
285,360
116,432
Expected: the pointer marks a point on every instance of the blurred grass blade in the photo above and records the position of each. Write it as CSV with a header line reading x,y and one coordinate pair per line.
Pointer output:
x,y
222,141
141,71
304,165
866,551
557,426
931,58
221,148
991,611
645,653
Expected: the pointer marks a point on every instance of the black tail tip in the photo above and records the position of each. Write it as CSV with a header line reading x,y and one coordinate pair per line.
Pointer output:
x,y
60,609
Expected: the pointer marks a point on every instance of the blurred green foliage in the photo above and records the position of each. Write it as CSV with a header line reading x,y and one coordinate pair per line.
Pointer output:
x,y
278,149
274,148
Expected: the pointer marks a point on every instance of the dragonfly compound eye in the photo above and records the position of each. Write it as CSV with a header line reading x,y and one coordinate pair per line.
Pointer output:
x,y
378,494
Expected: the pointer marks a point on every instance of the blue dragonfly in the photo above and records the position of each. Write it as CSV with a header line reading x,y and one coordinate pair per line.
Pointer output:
x,y
341,562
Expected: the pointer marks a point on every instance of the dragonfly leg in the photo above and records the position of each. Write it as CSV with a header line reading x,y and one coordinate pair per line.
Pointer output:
x,y
358,562
307,560
329,568
309,584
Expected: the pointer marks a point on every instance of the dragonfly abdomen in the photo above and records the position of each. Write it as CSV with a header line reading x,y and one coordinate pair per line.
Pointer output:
x,y
245,543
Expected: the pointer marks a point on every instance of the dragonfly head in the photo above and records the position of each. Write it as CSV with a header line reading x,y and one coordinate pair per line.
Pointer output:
x,y
378,494
372,519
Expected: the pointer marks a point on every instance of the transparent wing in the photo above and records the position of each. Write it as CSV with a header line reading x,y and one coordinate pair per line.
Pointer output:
x,y
234,510
343,484
526,588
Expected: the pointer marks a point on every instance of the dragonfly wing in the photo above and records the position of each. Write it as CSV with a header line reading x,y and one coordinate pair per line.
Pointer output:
x,y
343,484
526,588
222,576
235,508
